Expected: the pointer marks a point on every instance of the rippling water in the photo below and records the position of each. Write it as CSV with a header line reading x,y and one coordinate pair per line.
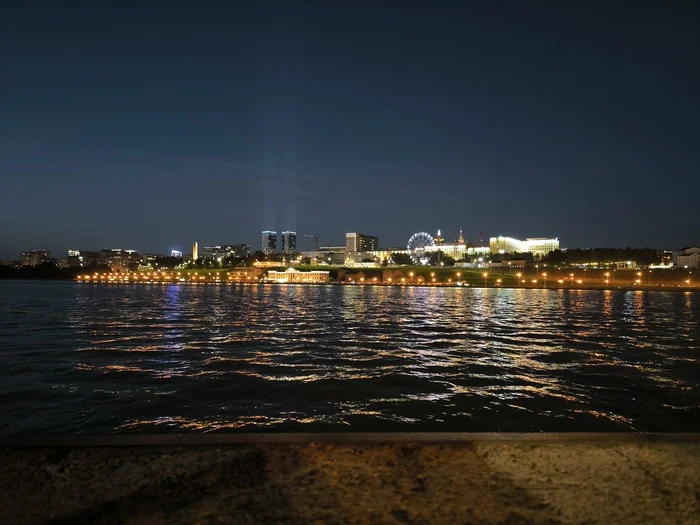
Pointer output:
x,y
171,358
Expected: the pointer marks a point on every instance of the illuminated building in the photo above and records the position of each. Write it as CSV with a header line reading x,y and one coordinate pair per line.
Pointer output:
x,y
195,251
120,260
356,246
687,258
359,242
148,259
503,244
35,257
176,253
538,246
269,242
332,255
457,250
289,242
82,258
292,275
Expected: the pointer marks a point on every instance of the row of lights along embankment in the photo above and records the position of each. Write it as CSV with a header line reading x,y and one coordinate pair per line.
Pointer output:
x,y
124,277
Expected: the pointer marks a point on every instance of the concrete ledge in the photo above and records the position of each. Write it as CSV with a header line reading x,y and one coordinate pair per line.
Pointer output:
x,y
135,440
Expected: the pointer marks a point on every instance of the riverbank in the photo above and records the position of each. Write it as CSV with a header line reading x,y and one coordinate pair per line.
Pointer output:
x,y
393,479
577,287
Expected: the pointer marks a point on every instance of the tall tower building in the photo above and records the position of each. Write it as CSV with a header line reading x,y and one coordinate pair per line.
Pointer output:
x,y
269,242
460,240
195,251
289,242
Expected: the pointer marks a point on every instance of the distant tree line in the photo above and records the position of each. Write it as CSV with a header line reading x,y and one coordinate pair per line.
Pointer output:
x,y
49,270
642,256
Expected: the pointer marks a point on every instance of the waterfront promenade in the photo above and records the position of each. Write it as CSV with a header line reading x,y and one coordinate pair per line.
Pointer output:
x,y
531,278
346,478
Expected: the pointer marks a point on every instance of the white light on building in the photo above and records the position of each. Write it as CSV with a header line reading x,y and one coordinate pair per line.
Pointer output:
x,y
292,275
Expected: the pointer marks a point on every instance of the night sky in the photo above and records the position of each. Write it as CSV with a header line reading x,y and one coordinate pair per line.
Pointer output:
x,y
149,128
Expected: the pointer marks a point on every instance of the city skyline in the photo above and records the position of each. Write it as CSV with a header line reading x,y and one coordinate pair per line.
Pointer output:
x,y
124,127
308,244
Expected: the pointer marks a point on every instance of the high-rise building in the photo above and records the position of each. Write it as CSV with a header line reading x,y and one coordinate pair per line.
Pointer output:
x,y
195,251
120,260
269,242
82,258
359,242
176,253
35,257
289,242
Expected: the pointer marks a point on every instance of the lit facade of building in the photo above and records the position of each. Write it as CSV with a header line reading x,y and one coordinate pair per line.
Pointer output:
x,y
176,253
120,260
289,242
35,257
538,246
82,258
195,251
457,251
691,260
292,275
269,242
332,255
359,242
503,244
687,257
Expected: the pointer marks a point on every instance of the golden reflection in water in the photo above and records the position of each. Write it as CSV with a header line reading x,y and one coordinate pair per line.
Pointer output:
x,y
370,349
608,303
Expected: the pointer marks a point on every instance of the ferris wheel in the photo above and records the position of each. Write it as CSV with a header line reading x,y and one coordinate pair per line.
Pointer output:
x,y
420,240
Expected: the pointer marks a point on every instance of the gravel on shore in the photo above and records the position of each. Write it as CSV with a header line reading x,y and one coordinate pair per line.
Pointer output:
x,y
383,483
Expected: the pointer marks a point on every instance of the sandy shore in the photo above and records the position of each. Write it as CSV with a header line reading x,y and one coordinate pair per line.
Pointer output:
x,y
395,482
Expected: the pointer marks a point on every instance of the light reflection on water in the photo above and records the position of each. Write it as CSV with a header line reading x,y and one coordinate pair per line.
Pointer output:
x,y
155,358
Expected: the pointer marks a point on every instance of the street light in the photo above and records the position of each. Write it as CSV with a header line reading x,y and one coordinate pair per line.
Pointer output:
x,y
649,277
607,274
545,279
537,266
485,282
520,282
572,280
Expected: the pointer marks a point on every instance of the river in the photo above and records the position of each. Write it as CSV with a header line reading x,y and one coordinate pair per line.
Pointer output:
x,y
155,358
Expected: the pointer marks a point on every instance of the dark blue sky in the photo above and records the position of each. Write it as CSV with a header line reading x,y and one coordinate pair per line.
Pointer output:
x,y
150,127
